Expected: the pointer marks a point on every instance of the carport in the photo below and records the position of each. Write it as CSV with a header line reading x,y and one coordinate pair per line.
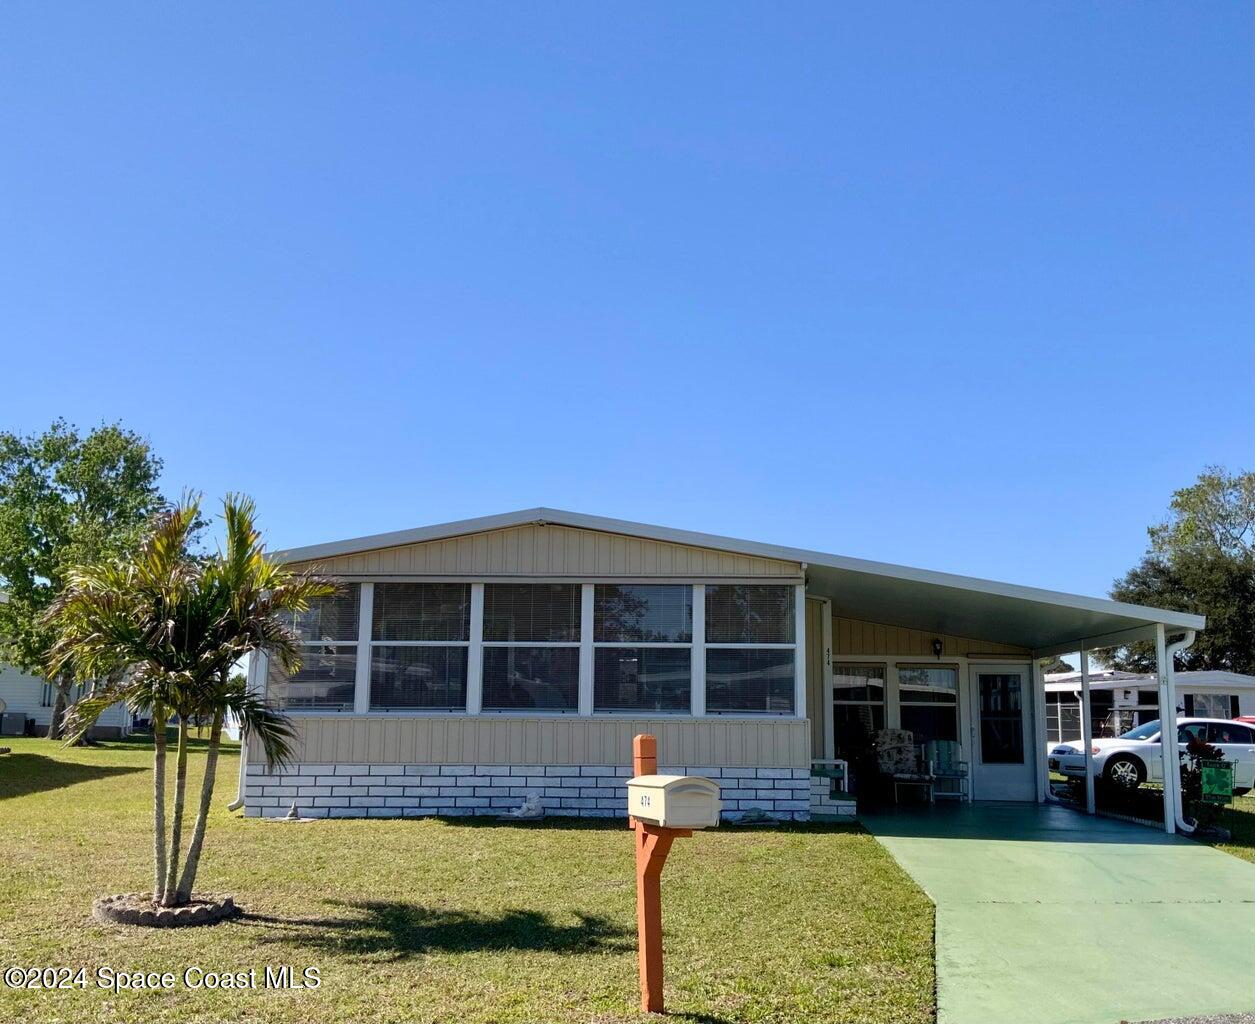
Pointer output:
x,y
1043,622
1049,916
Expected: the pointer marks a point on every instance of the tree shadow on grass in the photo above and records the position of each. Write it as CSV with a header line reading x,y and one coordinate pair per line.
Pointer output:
x,y
23,774
403,930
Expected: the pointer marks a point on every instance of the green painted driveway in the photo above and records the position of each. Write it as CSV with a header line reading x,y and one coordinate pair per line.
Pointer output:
x,y
1047,916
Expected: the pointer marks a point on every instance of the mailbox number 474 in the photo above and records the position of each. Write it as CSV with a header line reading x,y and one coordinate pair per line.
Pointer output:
x,y
644,799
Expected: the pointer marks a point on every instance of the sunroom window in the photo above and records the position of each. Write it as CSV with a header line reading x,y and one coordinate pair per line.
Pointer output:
x,y
643,658
531,647
928,698
328,650
858,708
420,634
750,648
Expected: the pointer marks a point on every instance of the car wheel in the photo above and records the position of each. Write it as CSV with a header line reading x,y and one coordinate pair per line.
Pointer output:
x,y
1124,772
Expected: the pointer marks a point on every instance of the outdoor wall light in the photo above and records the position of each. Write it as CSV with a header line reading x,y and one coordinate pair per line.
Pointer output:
x,y
938,647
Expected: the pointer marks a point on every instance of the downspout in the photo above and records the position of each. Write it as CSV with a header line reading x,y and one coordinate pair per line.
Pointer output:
x,y
1172,651
253,673
238,802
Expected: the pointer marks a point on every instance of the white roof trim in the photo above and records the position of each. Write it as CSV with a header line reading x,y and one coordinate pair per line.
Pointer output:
x,y
558,517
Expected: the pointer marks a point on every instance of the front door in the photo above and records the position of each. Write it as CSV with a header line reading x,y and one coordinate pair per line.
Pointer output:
x,y
1002,733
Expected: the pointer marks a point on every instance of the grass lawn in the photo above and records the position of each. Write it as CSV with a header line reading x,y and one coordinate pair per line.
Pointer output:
x,y
1239,819
448,920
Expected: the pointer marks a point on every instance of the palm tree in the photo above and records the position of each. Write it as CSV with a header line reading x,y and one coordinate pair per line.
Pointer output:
x,y
179,622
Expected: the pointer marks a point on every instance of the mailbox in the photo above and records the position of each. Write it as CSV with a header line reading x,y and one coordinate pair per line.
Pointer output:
x,y
674,801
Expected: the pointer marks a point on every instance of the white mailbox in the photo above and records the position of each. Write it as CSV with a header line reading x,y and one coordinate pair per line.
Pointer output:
x,y
674,801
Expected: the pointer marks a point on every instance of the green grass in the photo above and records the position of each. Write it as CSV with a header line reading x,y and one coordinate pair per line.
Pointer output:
x,y
1239,819
449,920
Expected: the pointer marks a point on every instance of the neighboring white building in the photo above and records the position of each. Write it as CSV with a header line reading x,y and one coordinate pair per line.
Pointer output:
x,y
32,697
1121,700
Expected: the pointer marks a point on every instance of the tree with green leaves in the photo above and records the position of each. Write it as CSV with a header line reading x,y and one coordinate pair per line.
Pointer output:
x,y
66,499
1201,559
179,622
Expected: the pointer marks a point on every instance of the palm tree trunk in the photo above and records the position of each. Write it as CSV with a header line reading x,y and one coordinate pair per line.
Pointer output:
x,y
192,862
159,803
60,700
170,892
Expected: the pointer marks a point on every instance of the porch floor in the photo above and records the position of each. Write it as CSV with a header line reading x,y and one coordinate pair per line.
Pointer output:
x,y
1048,916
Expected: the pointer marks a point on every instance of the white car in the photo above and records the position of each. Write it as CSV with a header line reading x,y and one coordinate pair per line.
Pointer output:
x,y
1129,760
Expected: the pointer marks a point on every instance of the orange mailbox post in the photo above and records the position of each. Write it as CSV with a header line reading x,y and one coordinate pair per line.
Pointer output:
x,y
661,808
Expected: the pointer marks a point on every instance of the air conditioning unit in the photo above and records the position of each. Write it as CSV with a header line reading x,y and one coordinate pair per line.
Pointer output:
x,y
12,723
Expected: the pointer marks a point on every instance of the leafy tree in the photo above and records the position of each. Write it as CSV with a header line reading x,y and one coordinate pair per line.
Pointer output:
x,y
65,499
1201,559
180,622
1050,665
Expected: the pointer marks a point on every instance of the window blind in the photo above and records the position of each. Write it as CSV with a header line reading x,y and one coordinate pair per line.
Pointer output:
x,y
531,612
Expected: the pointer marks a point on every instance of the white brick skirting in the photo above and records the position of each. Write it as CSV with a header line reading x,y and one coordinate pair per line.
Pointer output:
x,y
826,802
415,790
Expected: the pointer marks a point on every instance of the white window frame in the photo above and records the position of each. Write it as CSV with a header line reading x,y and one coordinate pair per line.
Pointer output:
x,y
367,629
957,692
797,645
596,645
355,644
584,681
587,646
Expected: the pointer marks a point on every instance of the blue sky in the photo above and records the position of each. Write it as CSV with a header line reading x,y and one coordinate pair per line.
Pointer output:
x,y
965,286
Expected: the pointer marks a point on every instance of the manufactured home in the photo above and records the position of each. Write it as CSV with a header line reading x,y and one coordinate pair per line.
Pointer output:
x,y
1120,701
464,667
26,704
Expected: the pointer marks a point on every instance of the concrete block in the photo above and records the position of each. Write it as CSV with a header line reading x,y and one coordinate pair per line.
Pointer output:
x,y
457,769
351,769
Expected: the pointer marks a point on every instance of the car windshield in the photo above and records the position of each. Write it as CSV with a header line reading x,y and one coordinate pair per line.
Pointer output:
x,y
1143,732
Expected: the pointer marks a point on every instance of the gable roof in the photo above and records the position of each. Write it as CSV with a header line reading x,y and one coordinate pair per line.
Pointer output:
x,y
876,591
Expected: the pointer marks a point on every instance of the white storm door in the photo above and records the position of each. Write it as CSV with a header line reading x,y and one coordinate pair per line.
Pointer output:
x,y
1002,764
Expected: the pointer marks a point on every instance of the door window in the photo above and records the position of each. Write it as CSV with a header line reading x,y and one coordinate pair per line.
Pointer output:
x,y
1001,718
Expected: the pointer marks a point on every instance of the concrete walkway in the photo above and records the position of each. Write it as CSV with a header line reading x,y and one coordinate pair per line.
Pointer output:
x,y
1047,916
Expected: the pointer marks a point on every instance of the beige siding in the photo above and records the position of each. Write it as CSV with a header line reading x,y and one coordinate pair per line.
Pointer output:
x,y
815,671
390,739
853,636
554,551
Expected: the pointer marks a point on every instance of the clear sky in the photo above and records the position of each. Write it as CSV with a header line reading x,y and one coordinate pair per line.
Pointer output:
x,y
963,286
